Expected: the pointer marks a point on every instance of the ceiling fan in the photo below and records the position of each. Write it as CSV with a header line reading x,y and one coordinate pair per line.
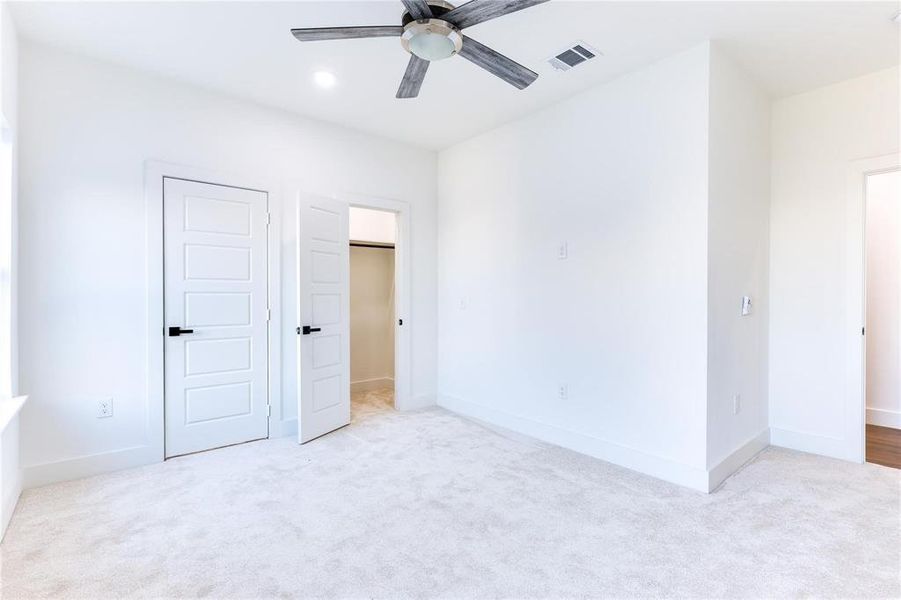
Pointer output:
x,y
430,30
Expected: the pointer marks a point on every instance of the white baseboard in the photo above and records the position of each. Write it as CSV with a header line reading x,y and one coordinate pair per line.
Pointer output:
x,y
377,383
884,418
284,428
417,402
630,458
812,443
86,466
9,506
735,461
116,460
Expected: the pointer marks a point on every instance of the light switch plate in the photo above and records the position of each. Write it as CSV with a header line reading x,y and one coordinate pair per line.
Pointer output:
x,y
745,306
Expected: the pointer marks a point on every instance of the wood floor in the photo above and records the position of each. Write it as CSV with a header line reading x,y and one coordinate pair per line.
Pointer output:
x,y
884,446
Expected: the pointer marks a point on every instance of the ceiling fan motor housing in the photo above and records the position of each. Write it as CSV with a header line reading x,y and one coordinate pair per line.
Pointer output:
x,y
439,8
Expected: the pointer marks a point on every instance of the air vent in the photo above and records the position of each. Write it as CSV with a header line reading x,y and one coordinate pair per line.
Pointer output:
x,y
573,56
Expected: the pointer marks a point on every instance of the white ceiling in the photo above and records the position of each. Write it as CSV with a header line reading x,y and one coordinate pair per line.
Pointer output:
x,y
245,49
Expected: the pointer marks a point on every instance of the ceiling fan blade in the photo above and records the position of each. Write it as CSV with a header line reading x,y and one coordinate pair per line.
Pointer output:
x,y
412,81
497,64
313,34
418,9
478,11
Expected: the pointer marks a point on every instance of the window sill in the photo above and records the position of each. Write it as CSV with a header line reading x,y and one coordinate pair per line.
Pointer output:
x,y
9,408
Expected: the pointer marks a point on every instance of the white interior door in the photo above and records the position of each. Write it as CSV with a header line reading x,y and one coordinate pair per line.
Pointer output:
x,y
324,308
216,313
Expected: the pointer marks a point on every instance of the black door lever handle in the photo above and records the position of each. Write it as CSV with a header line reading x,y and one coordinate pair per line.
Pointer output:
x,y
307,330
177,331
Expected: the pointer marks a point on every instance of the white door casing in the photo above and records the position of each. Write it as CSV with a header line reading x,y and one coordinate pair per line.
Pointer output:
x,y
403,399
324,306
853,444
216,284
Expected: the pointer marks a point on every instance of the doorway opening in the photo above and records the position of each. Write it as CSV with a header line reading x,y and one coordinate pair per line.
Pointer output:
x,y
373,310
324,307
883,318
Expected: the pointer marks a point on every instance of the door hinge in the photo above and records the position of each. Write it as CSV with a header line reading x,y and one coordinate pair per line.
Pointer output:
x,y
863,331
268,218
268,410
268,314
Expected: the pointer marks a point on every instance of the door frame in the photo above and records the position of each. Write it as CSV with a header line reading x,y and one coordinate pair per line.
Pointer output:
x,y
403,389
154,173
856,298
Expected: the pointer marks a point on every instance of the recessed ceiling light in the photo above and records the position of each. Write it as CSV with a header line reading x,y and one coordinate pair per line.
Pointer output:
x,y
324,79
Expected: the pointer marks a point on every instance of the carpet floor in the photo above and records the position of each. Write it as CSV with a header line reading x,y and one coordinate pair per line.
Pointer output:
x,y
426,504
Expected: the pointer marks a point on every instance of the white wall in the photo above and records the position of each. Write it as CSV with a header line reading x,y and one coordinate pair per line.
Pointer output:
x,y
10,463
815,136
9,108
371,317
88,128
635,177
619,175
883,239
737,262
367,225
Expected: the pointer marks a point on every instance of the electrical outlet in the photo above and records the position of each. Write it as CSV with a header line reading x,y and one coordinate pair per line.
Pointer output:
x,y
563,391
464,302
562,251
104,408
736,404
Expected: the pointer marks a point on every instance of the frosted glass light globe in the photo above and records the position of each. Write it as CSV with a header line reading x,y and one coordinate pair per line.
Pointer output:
x,y
431,46
431,39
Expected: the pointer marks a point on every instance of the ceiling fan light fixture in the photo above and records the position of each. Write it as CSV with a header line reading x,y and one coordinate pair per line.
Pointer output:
x,y
431,46
431,39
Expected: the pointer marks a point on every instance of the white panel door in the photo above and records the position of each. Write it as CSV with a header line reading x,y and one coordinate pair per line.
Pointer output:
x,y
324,303
216,297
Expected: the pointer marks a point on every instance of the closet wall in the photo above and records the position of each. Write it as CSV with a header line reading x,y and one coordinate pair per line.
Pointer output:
x,y
371,317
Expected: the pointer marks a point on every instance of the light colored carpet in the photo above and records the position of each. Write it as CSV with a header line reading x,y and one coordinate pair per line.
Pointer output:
x,y
427,504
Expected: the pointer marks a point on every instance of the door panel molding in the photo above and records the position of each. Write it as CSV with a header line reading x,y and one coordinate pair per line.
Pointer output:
x,y
323,294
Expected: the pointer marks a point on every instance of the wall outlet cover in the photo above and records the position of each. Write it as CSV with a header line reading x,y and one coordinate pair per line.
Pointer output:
x,y
105,408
